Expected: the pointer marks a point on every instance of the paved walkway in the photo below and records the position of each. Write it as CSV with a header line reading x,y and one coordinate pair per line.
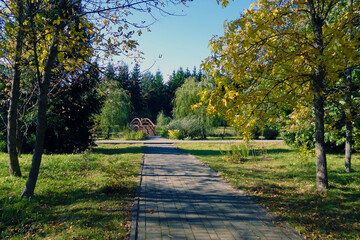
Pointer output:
x,y
179,197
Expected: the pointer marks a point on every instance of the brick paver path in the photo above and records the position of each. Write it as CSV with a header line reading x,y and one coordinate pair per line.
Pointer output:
x,y
182,198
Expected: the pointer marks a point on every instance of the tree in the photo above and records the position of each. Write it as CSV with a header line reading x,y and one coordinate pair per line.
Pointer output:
x,y
70,115
14,27
116,112
52,25
135,91
187,96
154,93
276,56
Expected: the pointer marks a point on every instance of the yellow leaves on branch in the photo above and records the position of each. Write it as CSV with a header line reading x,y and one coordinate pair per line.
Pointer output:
x,y
269,54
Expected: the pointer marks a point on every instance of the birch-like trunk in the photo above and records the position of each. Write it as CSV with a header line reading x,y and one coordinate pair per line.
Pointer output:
x,y
14,166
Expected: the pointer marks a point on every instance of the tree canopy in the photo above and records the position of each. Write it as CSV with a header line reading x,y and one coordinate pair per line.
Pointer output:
x,y
279,56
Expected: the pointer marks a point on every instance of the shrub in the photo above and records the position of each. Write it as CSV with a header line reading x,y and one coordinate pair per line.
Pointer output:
x,y
175,134
270,133
236,153
188,127
2,146
162,131
135,135
162,119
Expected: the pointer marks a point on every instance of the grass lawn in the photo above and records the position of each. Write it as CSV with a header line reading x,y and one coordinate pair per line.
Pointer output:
x,y
78,196
284,182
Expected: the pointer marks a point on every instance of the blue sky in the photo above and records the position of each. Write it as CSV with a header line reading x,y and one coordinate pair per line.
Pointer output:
x,y
182,41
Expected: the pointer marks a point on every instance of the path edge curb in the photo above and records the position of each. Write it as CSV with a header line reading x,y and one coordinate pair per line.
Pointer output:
x,y
135,211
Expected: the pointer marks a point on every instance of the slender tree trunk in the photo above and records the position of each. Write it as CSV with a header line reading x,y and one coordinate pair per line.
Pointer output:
x,y
348,111
348,123
319,75
14,166
41,121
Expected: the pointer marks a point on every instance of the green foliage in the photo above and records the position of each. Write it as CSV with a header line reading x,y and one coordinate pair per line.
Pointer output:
x,y
270,133
162,131
162,119
116,112
71,111
155,95
2,146
236,153
196,122
135,135
189,127
175,134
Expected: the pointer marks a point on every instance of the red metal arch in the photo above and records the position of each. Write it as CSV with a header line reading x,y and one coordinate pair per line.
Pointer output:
x,y
145,125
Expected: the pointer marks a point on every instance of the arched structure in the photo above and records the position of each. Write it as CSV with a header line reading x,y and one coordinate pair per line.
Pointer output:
x,y
145,125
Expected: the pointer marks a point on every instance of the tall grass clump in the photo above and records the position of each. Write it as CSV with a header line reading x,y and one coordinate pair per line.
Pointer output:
x,y
135,135
236,153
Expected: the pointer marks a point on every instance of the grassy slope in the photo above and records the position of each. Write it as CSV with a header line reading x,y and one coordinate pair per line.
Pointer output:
x,y
78,196
284,183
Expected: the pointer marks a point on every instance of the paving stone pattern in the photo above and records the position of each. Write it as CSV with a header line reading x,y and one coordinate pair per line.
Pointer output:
x,y
180,197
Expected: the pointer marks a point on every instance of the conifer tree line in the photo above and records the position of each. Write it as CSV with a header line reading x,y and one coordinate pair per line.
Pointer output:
x,y
129,94
81,101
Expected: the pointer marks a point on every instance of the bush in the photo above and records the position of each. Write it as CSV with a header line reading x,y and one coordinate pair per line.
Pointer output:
x,y
270,133
175,134
162,131
2,146
162,119
135,135
236,153
188,127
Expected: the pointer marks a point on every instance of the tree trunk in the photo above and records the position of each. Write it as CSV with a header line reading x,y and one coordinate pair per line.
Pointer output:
x,y
41,121
348,111
14,166
318,78
348,123
321,164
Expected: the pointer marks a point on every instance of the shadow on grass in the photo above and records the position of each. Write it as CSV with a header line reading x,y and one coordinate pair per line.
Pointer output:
x,y
115,151
89,209
203,152
277,150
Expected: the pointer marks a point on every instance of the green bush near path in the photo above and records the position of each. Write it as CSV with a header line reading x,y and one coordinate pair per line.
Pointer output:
x,y
283,181
78,196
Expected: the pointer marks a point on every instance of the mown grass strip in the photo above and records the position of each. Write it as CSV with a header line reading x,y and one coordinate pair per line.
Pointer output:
x,y
284,182
78,196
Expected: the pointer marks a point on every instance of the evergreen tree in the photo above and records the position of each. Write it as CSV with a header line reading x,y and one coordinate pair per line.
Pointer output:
x,y
154,92
136,95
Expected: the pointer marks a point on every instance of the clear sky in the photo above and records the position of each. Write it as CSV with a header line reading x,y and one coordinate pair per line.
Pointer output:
x,y
182,41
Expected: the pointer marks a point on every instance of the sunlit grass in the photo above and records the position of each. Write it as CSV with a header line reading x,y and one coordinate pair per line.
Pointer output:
x,y
78,196
283,181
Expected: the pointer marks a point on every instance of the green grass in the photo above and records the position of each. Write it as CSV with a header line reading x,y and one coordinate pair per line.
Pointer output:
x,y
283,181
78,196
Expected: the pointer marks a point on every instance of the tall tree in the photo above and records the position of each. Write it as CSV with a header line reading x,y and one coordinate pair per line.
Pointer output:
x,y
154,92
55,24
186,102
14,27
135,91
278,54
